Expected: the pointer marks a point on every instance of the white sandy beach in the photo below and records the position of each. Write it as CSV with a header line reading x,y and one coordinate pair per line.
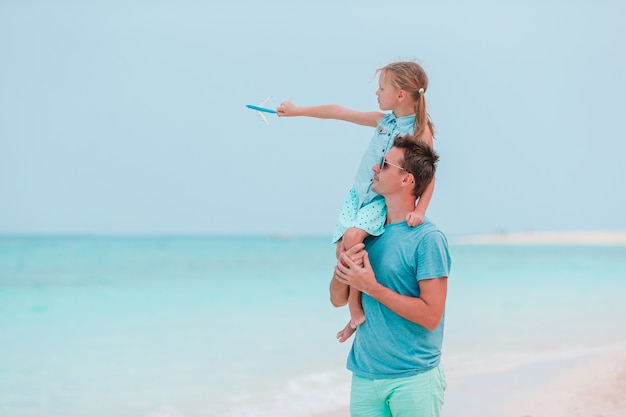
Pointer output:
x,y
605,237
591,388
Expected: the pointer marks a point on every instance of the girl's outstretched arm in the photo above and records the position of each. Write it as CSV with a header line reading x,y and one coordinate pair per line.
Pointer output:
x,y
331,111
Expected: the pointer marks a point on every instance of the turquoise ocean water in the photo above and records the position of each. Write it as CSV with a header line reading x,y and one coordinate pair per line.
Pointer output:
x,y
242,326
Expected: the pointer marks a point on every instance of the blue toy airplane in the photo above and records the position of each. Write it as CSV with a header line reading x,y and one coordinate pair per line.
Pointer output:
x,y
260,109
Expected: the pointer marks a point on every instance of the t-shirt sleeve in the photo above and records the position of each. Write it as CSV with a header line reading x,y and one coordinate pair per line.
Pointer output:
x,y
433,256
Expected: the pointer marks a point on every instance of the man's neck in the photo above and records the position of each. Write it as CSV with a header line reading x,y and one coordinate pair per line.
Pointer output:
x,y
398,208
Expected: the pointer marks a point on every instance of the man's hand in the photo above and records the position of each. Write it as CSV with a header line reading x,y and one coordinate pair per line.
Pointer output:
x,y
359,277
355,253
339,287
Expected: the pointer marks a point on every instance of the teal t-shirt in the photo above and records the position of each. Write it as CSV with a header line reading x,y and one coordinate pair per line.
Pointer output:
x,y
387,345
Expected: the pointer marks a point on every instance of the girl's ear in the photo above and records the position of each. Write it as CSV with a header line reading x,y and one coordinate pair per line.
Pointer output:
x,y
402,95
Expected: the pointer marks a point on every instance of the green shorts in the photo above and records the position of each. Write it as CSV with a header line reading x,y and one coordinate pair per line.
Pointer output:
x,y
416,396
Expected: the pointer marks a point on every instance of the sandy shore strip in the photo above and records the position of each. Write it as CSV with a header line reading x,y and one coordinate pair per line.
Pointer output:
x,y
607,237
590,388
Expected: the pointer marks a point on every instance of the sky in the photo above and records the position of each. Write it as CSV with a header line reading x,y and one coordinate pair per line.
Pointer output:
x,y
128,117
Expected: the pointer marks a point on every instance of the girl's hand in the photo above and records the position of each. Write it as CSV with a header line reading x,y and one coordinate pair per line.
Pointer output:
x,y
286,108
414,218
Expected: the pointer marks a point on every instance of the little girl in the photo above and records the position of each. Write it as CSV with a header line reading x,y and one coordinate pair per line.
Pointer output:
x,y
401,89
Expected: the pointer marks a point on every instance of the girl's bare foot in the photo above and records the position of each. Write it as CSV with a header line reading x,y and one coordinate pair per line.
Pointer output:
x,y
357,320
350,328
346,332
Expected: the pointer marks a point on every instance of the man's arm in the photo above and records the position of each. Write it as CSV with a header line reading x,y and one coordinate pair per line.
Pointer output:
x,y
425,310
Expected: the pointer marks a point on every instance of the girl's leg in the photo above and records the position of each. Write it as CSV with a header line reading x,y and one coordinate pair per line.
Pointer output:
x,y
351,237
357,315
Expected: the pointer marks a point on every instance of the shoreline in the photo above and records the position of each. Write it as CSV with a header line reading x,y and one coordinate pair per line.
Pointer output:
x,y
600,238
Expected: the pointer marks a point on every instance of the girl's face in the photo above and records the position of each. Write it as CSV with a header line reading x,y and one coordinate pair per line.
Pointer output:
x,y
386,93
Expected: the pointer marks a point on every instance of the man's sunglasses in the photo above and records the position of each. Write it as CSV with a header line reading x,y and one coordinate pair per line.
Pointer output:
x,y
384,162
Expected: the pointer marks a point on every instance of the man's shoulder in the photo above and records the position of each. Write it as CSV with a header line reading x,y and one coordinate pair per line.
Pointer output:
x,y
428,228
433,252
428,234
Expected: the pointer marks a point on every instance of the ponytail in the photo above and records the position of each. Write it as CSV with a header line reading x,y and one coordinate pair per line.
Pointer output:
x,y
422,120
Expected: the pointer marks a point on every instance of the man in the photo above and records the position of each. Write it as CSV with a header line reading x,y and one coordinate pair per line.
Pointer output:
x,y
403,274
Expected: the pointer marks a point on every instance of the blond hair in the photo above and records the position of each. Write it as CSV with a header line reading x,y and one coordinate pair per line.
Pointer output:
x,y
411,77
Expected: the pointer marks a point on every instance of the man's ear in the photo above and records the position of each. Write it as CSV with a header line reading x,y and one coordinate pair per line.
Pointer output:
x,y
408,179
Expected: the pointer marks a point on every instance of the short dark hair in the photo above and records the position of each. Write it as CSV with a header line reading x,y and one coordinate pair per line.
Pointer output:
x,y
419,160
